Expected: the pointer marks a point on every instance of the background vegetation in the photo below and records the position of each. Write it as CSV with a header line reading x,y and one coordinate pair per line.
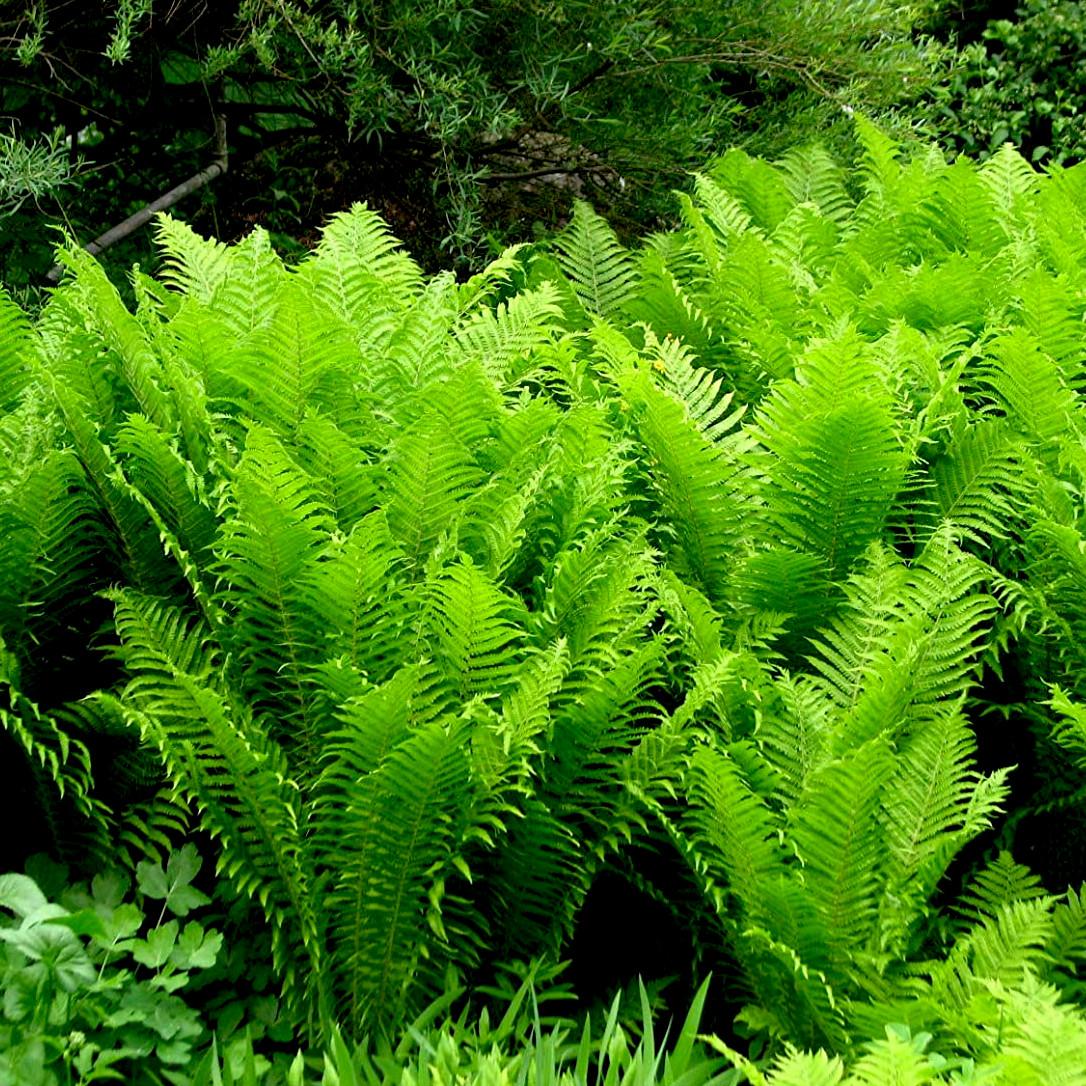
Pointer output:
x,y
459,121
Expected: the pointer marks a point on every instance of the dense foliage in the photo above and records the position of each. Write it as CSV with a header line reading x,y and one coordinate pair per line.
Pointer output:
x,y
461,119
74,1004
1021,82
737,564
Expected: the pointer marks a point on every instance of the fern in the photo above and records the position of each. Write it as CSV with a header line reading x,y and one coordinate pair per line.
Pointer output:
x,y
358,268
501,340
237,779
433,601
697,482
398,825
599,268
475,636
429,474
976,484
14,336
269,548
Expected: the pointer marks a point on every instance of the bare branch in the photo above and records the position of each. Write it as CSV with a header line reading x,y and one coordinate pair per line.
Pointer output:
x,y
166,200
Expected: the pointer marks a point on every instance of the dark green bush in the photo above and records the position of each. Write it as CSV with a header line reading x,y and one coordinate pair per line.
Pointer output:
x,y
459,120
93,985
1023,82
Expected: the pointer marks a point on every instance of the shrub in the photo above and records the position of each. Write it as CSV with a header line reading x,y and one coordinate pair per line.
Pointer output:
x,y
1021,83
460,119
91,984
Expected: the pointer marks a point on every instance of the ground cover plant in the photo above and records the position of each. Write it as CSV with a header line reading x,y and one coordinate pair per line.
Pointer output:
x,y
746,564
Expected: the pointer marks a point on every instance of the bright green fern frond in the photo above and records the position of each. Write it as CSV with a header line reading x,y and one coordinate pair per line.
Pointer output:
x,y
1067,948
1009,945
752,291
265,551
398,833
228,769
736,834
1009,178
761,188
418,350
369,727
1030,387
134,542
14,342
838,461
814,177
476,637
245,299
1051,312
806,242
1002,882
933,617
668,309
977,483
806,1069
358,588
359,267
600,269
962,214
193,265
840,841
697,483
429,473
46,744
793,734
899,1059
504,756
594,596
342,472
294,362
724,213
1043,1040
707,405
503,338
494,279
122,334
154,467
51,537
879,166
933,804
541,878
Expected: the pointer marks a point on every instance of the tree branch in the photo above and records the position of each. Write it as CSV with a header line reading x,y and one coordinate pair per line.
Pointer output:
x,y
166,200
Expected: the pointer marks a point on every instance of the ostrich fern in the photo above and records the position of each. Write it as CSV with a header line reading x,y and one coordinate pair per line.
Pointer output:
x,y
436,599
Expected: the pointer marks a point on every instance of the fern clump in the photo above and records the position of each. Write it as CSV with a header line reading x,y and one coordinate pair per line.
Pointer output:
x,y
432,601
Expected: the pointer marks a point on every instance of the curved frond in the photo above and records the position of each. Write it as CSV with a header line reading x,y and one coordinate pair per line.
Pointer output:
x,y
228,768
358,267
977,482
397,831
502,339
14,343
600,269
475,638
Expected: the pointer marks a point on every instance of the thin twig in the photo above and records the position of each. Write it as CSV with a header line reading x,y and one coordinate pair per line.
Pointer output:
x,y
546,171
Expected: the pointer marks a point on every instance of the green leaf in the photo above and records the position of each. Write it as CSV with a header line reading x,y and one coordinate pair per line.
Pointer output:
x,y
20,894
196,948
155,950
173,883
179,68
